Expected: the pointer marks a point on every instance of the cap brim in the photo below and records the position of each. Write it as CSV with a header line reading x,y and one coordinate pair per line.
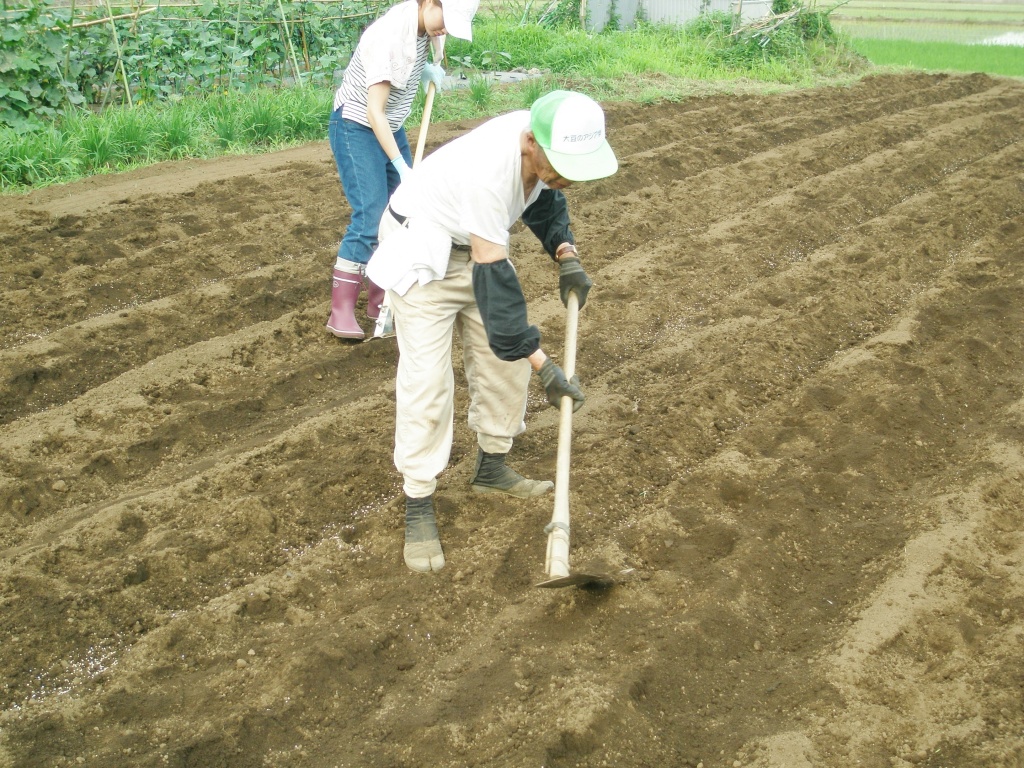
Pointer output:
x,y
457,26
594,165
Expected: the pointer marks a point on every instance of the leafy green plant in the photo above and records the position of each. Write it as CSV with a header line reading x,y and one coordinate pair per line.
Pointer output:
x,y
462,62
614,19
51,62
485,61
33,87
492,60
712,27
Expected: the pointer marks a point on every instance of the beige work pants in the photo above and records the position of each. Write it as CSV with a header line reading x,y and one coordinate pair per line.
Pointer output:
x,y
425,320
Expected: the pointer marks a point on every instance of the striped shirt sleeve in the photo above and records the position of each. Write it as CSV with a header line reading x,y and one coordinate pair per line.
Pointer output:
x,y
374,61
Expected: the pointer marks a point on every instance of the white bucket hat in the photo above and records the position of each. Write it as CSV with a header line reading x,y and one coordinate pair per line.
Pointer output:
x,y
458,17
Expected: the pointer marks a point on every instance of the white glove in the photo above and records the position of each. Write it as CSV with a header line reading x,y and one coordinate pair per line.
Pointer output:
x,y
402,167
432,73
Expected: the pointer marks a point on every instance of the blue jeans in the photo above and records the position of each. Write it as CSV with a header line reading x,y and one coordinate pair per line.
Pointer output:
x,y
368,179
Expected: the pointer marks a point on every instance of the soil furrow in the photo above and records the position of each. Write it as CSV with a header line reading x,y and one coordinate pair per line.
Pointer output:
x,y
49,372
154,253
802,454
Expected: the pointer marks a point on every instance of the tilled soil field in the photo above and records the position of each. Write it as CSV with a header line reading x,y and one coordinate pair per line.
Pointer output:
x,y
802,454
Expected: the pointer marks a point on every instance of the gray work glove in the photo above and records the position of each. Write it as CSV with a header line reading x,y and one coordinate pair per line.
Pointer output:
x,y
402,167
432,73
571,277
557,386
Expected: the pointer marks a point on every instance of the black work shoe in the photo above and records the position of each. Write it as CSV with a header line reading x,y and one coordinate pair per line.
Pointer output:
x,y
492,476
422,544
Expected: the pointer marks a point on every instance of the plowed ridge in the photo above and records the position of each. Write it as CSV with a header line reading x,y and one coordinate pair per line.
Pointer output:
x,y
802,450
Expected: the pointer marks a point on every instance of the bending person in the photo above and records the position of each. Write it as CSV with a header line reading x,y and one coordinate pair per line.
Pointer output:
x,y
443,256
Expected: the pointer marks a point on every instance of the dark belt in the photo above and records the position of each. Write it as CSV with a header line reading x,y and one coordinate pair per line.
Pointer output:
x,y
397,216
402,219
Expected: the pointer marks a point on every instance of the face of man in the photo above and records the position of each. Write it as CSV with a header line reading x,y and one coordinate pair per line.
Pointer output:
x,y
543,168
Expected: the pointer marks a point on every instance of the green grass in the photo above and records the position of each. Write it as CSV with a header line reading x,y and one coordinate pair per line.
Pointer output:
x,y
122,137
663,50
640,65
992,59
480,92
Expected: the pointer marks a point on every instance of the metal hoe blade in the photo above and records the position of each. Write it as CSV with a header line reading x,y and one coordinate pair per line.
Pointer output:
x,y
384,326
578,580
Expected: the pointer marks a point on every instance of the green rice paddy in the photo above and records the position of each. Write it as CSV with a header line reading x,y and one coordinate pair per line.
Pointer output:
x,y
939,35
957,57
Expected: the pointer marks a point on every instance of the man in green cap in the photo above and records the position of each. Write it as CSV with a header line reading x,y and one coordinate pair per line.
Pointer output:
x,y
443,259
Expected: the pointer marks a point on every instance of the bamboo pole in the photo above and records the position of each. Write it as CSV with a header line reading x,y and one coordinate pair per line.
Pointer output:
x,y
105,19
220,61
247,21
135,17
305,47
234,53
186,5
291,46
120,56
766,24
67,56
198,4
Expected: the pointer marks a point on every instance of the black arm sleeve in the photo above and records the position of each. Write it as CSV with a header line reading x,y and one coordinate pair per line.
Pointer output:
x,y
548,219
503,309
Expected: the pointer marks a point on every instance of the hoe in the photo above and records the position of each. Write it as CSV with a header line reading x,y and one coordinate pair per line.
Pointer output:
x,y
557,565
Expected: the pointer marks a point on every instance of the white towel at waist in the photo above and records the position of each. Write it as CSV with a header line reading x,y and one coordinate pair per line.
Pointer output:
x,y
415,253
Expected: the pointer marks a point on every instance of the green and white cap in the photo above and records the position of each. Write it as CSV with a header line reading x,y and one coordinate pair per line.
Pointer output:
x,y
570,128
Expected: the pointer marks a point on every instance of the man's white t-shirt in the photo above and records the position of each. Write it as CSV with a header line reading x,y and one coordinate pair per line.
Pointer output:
x,y
473,184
